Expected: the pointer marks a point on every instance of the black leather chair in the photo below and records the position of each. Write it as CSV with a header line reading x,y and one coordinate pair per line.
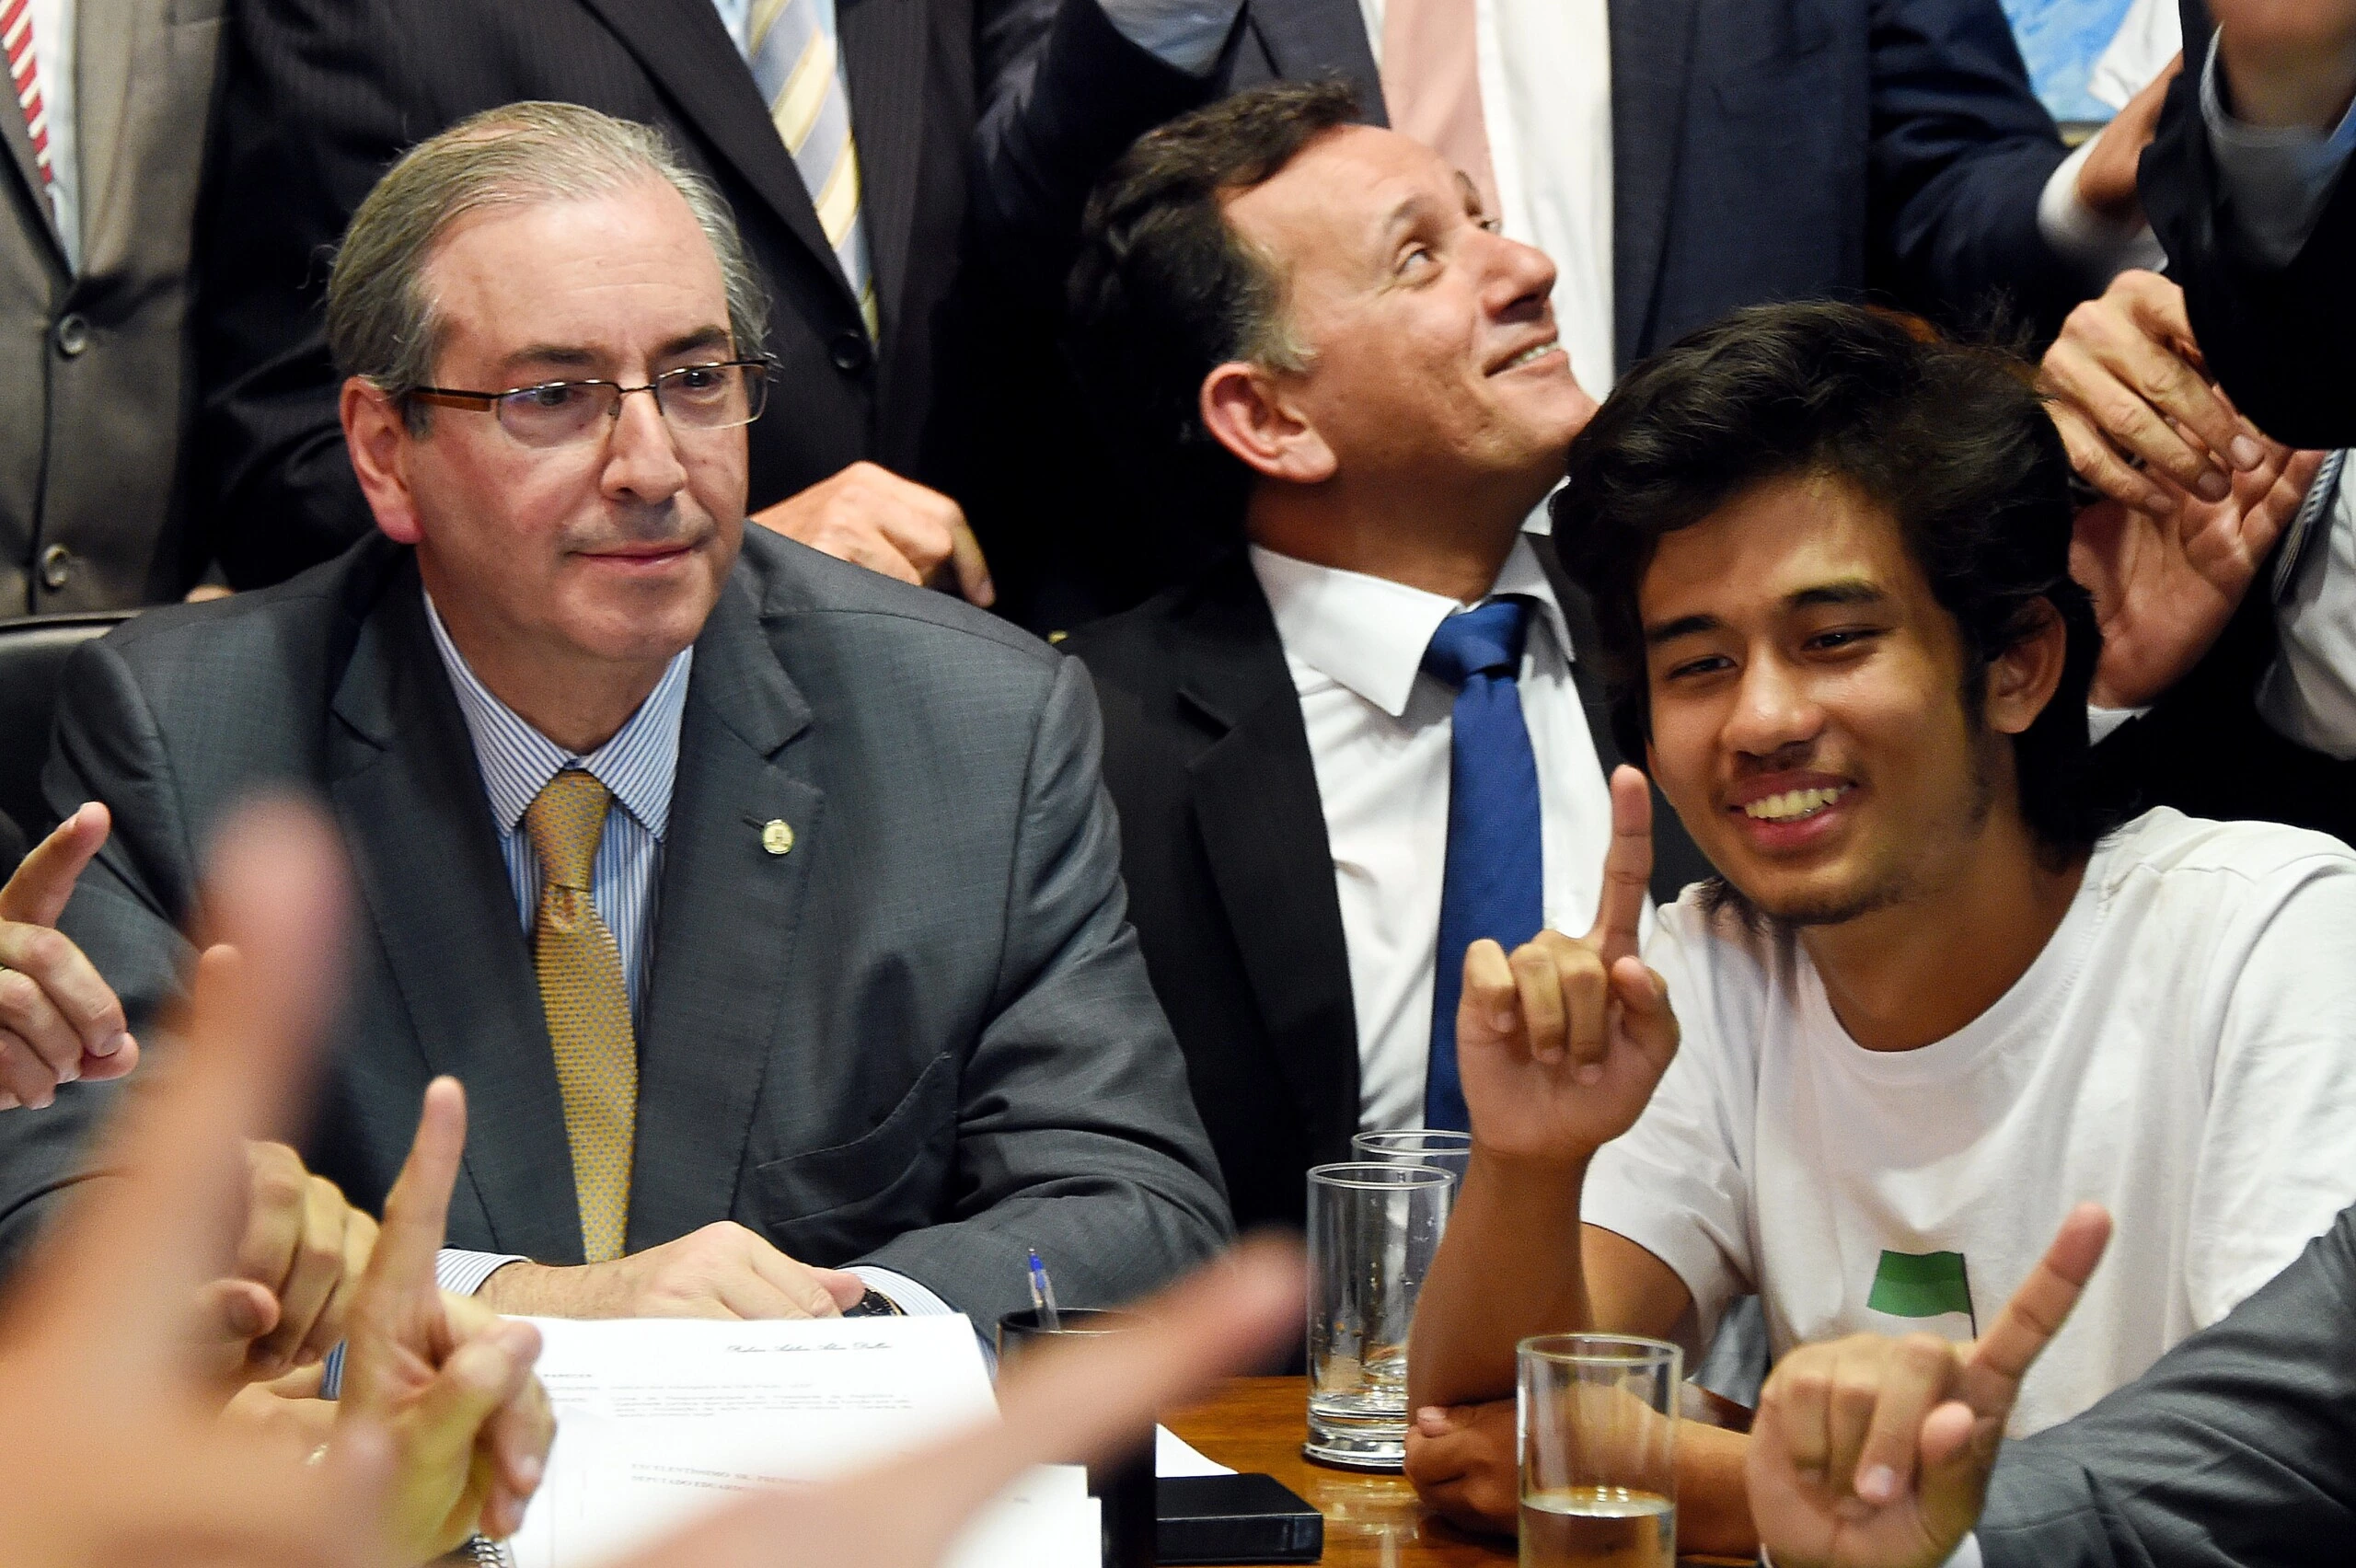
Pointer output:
x,y
34,650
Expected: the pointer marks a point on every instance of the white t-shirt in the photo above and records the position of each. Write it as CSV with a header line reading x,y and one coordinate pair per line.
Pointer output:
x,y
2182,1051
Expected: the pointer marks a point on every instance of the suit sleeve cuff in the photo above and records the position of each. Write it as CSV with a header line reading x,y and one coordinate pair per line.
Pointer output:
x,y
1186,35
2098,246
462,1272
905,1294
2275,179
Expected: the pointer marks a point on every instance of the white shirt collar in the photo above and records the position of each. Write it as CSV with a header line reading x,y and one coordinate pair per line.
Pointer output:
x,y
1370,633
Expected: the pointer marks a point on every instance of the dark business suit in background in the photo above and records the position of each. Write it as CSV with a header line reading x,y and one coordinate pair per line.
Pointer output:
x,y
1230,876
2280,336
920,1037
2237,1450
97,379
1761,149
322,95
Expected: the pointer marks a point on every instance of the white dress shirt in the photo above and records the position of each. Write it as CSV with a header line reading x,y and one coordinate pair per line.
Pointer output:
x,y
2309,694
1545,70
1379,732
53,41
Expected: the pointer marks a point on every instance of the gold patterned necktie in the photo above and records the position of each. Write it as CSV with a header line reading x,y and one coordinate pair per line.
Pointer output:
x,y
588,1006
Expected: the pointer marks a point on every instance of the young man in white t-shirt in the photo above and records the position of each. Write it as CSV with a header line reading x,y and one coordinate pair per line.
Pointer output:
x,y
1934,1003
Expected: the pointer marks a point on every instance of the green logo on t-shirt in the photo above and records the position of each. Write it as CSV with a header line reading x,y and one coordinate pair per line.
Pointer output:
x,y
1924,1285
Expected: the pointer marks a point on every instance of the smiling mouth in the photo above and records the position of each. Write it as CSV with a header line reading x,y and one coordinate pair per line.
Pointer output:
x,y
1529,355
1794,805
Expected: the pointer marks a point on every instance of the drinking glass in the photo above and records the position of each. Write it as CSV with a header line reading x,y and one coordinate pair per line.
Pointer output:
x,y
1452,1151
1595,1419
1372,1231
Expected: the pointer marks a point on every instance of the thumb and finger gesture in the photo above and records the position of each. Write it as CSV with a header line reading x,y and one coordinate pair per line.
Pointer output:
x,y
1560,1042
96,1358
1872,1452
59,1022
449,1383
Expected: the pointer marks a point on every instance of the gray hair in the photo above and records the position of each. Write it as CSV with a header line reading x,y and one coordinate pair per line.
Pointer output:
x,y
383,323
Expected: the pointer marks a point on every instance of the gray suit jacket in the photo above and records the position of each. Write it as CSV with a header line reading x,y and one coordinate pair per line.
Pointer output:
x,y
2237,1447
99,386
923,1038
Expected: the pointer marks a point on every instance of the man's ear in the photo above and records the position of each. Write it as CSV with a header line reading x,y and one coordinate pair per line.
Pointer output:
x,y
2022,679
1249,414
376,434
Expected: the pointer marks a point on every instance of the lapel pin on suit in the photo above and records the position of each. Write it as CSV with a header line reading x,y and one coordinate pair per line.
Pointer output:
x,y
776,835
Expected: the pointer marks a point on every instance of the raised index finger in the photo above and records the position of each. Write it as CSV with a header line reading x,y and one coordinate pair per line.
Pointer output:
x,y
36,895
131,1251
1992,1373
1627,868
417,1211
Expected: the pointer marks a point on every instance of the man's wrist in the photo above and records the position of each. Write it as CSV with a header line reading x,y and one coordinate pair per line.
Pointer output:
x,y
523,1288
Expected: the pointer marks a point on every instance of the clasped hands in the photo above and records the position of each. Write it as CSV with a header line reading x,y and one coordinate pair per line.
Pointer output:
x,y
2193,495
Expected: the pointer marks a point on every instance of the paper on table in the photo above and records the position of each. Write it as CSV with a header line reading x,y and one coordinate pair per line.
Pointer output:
x,y
658,1419
1173,1455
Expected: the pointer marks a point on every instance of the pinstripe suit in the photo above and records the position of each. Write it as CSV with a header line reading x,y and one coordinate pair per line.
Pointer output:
x,y
920,1039
96,383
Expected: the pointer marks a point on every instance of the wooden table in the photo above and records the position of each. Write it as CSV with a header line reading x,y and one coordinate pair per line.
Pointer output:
x,y
1372,1521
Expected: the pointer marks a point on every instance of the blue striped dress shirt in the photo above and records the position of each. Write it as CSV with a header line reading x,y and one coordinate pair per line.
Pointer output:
x,y
639,764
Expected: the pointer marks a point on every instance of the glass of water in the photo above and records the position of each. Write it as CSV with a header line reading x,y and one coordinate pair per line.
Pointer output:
x,y
1373,1229
1450,1151
1596,1422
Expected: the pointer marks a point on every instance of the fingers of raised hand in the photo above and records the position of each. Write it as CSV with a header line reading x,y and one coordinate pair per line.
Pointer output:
x,y
315,1271
1627,866
36,893
2100,466
1489,1008
277,1192
1992,1373
1794,1412
1908,1379
2127,387
54,997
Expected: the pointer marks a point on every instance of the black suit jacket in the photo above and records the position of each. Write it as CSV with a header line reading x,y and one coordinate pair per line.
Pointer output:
x,y
2204,747
922,1037
2279,337
1230,876
1762,150
2236,1450
322,95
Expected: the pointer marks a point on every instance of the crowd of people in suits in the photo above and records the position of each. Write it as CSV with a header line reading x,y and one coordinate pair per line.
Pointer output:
x,y
1685,589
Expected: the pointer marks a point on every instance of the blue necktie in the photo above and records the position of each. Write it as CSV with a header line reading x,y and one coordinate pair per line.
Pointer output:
x,y
1493,885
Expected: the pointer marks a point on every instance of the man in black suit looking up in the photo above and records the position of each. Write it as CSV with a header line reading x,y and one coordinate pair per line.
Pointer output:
x,y
1675,159
1361,379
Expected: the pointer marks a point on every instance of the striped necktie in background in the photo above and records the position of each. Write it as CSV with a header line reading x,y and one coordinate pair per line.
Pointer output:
x,y
24,70
793,65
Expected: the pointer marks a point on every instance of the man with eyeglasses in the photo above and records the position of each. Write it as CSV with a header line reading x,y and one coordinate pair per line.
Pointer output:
x,y
769,910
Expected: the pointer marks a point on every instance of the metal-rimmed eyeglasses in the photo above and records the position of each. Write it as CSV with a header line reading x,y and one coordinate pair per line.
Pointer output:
x,y
556,413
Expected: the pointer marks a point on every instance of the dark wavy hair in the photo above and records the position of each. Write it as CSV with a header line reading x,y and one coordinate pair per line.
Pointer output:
x,y
1950,440
1164,289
